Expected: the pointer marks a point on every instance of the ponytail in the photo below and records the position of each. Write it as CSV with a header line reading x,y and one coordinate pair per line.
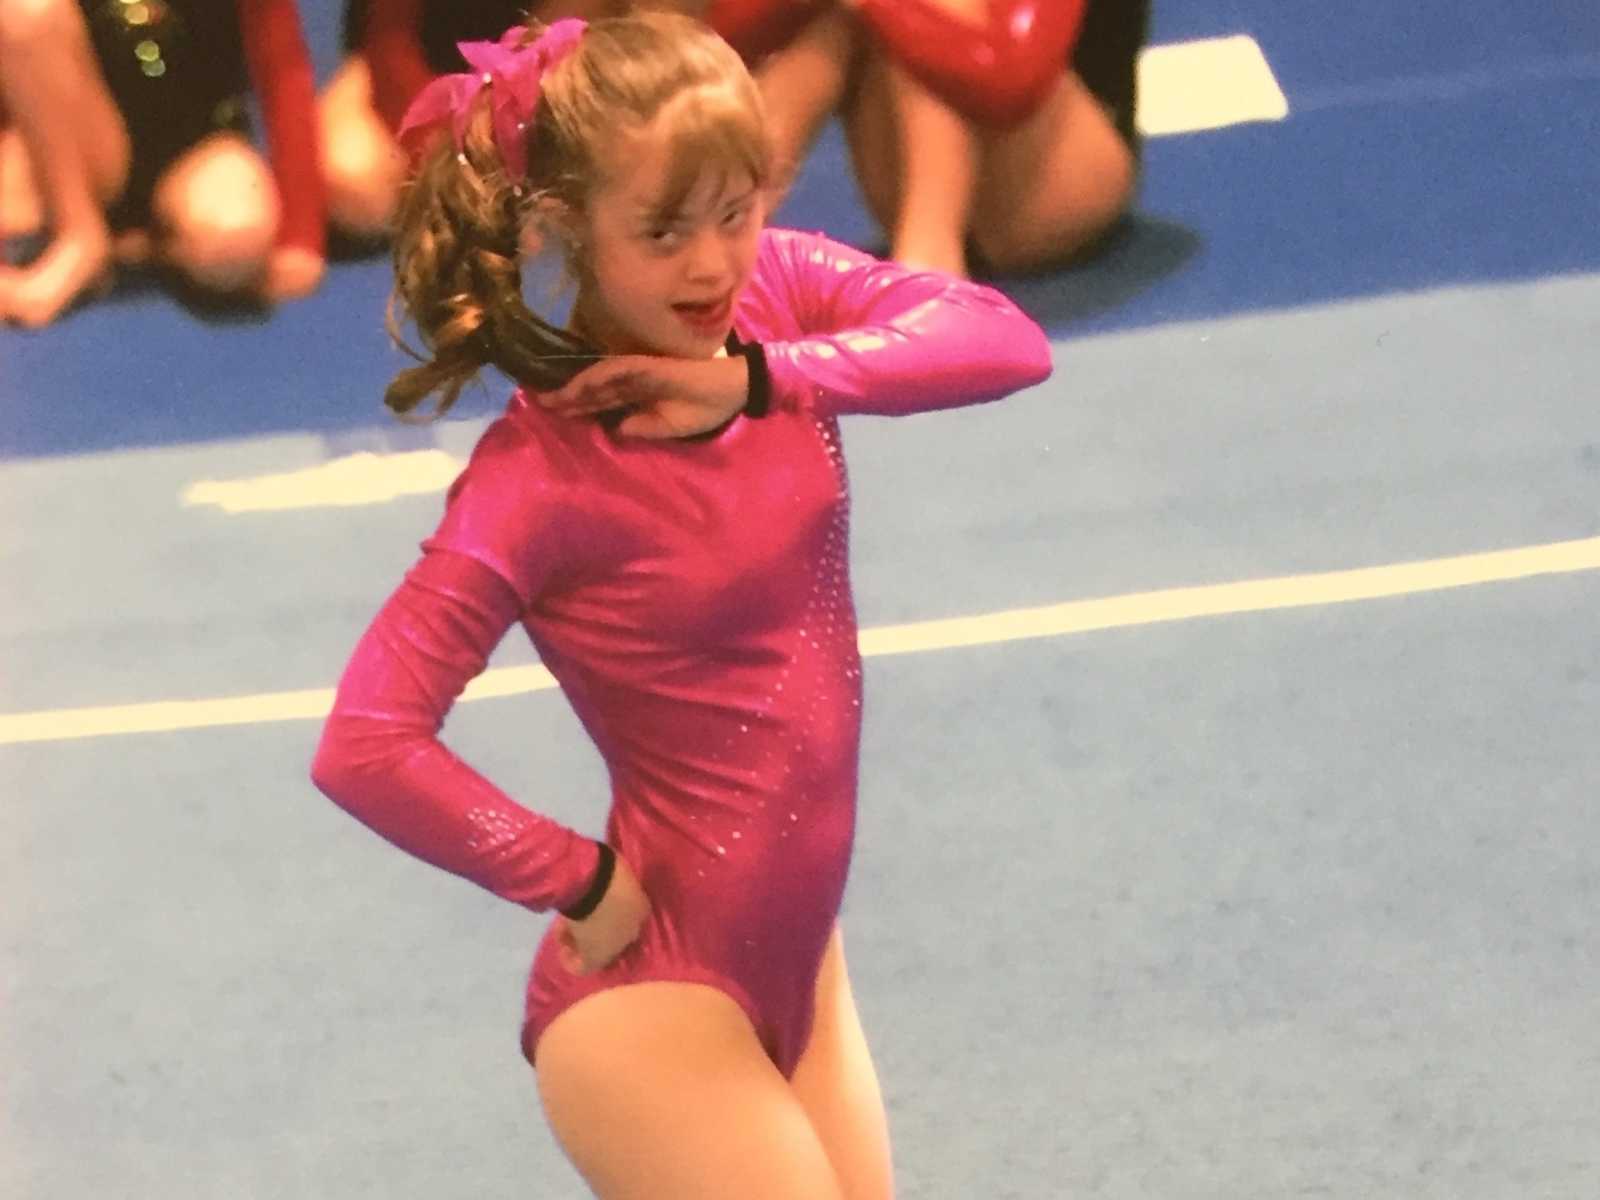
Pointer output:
x,y
458,278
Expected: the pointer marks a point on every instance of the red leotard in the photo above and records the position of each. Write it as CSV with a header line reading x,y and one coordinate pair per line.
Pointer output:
x,y
692,598
998,74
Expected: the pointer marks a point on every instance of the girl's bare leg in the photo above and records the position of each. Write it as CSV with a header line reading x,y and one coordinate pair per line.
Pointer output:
x,y
21,208
803,84
364,165
917,161
217,208
1054,184
838,1087
660,1091
77,146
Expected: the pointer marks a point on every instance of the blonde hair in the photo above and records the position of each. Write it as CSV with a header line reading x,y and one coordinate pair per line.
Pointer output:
x,y
458,246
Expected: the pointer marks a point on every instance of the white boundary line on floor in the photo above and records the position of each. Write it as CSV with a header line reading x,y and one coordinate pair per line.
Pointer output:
x,y
1054,620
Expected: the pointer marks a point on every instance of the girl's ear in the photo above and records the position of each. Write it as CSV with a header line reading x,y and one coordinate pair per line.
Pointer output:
x,y
551,224
557,216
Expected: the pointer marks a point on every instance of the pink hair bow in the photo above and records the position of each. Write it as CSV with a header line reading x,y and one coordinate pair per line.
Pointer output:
x,y
512,73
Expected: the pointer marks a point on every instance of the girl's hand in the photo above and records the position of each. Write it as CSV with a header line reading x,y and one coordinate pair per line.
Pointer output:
x,y
666,397
592,943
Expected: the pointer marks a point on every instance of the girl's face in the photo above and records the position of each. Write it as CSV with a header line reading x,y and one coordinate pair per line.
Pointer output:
x,y
666,282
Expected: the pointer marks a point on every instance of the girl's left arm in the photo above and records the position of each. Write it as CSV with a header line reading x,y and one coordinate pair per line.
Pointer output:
x,y
280,71
889,340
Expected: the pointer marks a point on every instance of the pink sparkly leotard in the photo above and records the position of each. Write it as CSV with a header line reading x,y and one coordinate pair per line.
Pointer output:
x,y
692,599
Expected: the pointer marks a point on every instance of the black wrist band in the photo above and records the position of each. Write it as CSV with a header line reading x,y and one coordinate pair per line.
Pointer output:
x,y
760,387
597,887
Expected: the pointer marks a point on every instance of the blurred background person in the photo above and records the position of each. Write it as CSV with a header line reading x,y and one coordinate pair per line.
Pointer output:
x,y
1000,129
392,48
126,136
995,130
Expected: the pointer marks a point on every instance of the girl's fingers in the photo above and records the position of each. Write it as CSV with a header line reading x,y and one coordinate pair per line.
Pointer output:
x,y
647,423
590,402
583,396
667,421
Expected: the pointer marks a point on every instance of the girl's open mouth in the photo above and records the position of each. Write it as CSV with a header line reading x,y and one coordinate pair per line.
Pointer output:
x,y
705,317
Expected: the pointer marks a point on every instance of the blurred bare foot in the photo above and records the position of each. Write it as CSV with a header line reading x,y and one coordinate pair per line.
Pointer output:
x,y
38,293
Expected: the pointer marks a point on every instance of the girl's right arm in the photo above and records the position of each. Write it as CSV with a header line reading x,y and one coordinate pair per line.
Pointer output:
x,y
869,336
863,336
381,760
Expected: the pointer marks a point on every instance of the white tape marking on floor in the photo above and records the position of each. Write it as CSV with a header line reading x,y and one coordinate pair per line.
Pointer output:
x,y
1055,620
1186,87
355,479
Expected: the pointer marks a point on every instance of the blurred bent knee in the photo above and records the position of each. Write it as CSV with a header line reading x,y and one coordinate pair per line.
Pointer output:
x,y
1054,186
1033,236
362,164
219,209
364,171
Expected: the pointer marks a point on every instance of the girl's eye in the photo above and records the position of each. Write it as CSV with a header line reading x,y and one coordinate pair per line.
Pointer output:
x,y
661,238
736,216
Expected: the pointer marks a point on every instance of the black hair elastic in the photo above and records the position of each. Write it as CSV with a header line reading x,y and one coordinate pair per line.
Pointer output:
x,y
597,888
759,402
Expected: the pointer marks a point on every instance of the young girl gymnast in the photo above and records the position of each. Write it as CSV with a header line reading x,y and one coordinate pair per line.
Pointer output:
x,y
663,509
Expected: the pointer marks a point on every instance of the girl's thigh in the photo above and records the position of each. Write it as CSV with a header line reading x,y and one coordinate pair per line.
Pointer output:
x,y
838,1086
1054,184
21,206
872,128
660,1091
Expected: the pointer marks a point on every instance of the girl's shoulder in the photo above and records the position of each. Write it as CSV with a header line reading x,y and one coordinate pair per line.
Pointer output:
x,y
524,453
514,505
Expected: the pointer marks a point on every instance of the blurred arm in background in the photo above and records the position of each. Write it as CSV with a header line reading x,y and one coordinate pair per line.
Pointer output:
x,y
65,152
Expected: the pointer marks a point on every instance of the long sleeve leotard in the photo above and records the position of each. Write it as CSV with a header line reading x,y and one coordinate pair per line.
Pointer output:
x,y
692,599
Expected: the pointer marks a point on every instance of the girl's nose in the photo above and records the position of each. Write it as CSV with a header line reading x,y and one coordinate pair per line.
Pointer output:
x,y
709,256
